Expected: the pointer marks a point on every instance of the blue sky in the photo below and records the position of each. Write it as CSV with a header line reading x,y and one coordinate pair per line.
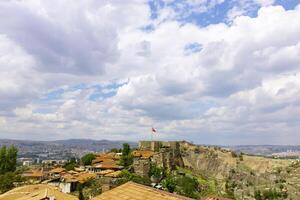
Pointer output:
x,y
207,71
214,14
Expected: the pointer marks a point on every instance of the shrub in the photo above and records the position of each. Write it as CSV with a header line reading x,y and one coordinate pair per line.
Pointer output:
x,y
241,157
88,158
80,194
269,195
169,183
187,186
257,195
71,164
7,181
127,176
233,154
230,187
156,171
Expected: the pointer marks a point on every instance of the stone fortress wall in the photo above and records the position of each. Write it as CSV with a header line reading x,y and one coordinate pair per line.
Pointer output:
x,y
167,155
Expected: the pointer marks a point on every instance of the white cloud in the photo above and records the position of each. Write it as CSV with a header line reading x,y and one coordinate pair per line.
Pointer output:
x,y
240,82
82,39
265,2
245,7
2,121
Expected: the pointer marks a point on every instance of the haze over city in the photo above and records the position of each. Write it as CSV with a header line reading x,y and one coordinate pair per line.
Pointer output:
x,y
208,71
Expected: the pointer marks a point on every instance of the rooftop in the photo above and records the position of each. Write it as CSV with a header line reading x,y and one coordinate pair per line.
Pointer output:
x,y
134,191
34,173
36,192
101,159
80,177
104,172
57,170
114,174
108,165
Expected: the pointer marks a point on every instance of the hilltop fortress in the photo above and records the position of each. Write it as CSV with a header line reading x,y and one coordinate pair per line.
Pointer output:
x,y
158,145
173,154
164,154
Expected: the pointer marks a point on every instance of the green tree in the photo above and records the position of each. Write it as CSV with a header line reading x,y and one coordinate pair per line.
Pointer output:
x,y
88,158
187,186
126,158
156,171
126,149
71,164
169,183
7,181
8,164
11,158
3,160
80,194
8,159
127,176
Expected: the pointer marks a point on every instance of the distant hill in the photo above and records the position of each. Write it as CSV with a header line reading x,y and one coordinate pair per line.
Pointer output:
x,y
62,149
93,145
265,150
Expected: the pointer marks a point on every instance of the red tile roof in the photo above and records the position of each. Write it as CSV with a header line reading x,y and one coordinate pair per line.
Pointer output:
x,y
134,191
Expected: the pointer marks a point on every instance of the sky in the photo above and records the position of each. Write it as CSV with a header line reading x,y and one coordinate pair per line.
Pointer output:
x,y
208,71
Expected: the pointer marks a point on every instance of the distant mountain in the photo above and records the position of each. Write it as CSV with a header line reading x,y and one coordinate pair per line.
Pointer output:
x,y
62,149
93,145
265,150
78,147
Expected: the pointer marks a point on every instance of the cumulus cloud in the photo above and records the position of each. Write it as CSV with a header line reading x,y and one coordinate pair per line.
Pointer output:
x,y
81,39
96,71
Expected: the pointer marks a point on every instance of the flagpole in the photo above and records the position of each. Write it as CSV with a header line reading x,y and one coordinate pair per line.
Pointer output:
x,y
151,136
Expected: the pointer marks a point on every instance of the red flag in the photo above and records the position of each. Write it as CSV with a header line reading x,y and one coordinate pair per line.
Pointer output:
x,y
153,130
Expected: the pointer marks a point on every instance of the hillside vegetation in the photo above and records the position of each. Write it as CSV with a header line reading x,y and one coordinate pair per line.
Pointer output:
x,y
243,176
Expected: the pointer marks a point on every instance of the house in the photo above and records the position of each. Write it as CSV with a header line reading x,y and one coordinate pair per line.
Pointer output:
x,y
36,192
134,191
72,172
107,165
104,172
105,161
53,162
105,157
114,174
56,172
35,175
68,182
27,163
79,169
